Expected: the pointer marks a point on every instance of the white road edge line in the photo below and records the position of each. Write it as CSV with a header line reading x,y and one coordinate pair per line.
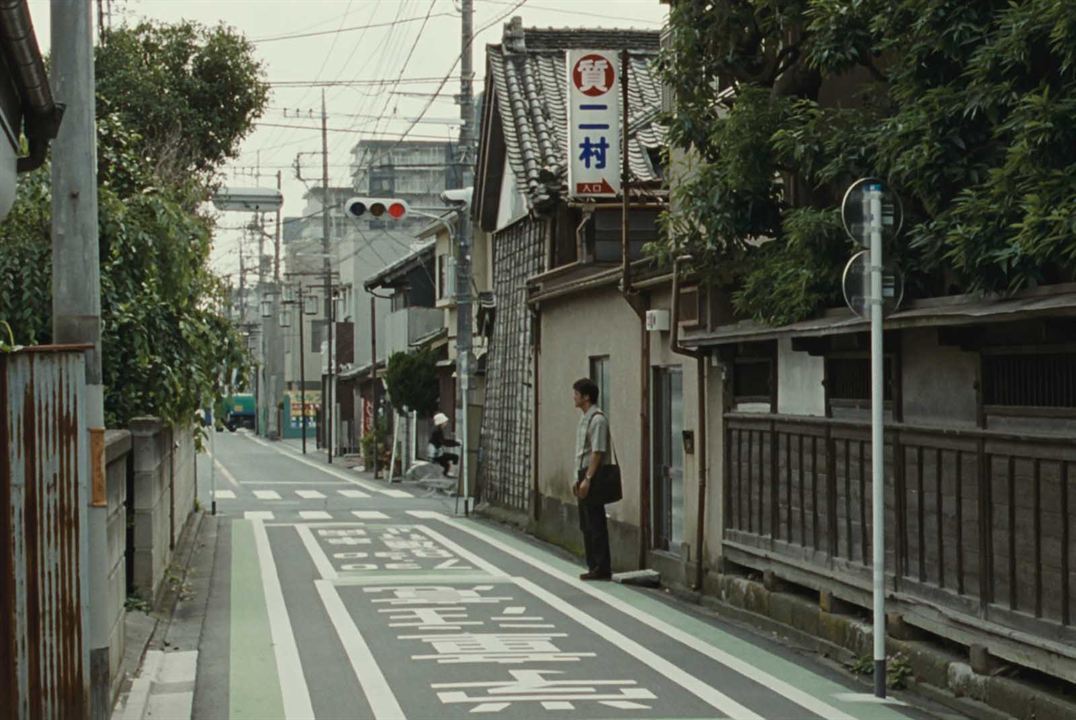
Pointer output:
x,y
289,668
321,560
374,685
709,695
329,471
785,689
227,474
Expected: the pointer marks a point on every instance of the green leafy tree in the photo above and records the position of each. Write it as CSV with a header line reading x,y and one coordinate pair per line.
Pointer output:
x,y
411,379
173,103
965,107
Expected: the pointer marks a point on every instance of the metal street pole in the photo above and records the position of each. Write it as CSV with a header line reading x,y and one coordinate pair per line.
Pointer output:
x,y
463,259
76,311
326,227
877,437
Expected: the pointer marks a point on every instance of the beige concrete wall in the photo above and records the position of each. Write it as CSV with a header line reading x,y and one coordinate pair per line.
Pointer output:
x,y
573,330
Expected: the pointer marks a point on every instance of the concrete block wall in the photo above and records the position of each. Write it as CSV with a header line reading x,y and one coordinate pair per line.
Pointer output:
x,y
164,490
184,453
151,504
117,457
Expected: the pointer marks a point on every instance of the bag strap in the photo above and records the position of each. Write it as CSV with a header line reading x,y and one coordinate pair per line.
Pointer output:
x,y
612,445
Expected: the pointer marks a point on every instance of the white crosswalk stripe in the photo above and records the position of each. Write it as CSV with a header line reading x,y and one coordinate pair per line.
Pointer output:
x,y
258,515
369,515
315,515
267,494
357,494
224,495
310,494
397,493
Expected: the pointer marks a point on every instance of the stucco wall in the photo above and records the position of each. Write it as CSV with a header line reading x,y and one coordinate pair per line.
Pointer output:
x,y
938,380
572,331
799,381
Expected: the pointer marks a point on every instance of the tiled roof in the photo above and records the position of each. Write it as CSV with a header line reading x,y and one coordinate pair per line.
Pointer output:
x,y
528,76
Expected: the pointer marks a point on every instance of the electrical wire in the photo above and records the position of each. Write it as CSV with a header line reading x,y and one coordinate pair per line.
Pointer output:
x,y
393,23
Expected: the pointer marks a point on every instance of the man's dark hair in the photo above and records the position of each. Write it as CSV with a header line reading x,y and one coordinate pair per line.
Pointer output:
x,y
587,388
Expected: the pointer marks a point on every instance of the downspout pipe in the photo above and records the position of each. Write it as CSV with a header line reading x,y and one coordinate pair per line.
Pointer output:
x,y
701,440
23,56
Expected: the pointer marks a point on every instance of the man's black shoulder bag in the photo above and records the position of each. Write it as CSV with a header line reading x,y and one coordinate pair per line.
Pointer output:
x,y
605,488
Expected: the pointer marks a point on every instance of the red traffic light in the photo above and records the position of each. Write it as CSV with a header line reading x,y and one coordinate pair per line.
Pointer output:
x,y
376,207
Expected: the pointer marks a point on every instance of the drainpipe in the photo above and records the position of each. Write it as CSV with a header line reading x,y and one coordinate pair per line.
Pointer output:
x,y
700,443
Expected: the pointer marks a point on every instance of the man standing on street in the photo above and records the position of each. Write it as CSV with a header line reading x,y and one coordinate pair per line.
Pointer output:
x,y
591,452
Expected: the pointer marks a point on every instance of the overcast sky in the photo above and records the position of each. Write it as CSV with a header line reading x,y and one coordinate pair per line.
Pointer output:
x,y
348,51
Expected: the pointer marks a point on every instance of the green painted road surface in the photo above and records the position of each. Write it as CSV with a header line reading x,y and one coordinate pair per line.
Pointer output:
x,y
338,597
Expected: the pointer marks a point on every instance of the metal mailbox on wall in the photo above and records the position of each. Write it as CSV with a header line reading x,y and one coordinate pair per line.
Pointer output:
x,y
44,475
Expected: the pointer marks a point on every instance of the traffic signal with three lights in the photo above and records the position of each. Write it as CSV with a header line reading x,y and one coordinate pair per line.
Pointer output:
x,y
372,207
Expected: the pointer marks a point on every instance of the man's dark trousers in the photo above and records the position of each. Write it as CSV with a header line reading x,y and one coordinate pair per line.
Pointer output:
x,y
595,529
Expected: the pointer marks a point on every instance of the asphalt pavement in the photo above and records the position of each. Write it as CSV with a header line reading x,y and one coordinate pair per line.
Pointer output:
x,y
334,595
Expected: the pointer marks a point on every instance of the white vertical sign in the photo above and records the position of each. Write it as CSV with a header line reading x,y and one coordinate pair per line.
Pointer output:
x,y
593,123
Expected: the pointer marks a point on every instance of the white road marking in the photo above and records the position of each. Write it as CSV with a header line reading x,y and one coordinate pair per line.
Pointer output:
x,y
258,515
321,560
227,474
315,515
332,471
711,696
267,494
781,687
356,494
369,515
374,685
224,495
289,668
310,494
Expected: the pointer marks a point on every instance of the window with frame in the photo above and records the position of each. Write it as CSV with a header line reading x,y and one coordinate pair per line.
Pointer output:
x,y
752,379
599,373
1029,379
442,276
848,380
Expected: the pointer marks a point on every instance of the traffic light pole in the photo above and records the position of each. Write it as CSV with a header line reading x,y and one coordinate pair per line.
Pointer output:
x,y
330,303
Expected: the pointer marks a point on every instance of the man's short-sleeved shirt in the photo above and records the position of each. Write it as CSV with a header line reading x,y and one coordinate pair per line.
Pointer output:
x,y
591,436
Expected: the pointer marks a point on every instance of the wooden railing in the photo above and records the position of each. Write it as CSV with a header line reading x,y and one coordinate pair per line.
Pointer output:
x,y
977,522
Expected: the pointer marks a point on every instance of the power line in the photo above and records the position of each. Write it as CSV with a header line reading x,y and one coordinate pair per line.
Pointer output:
x,y
394,23
353,83
349,130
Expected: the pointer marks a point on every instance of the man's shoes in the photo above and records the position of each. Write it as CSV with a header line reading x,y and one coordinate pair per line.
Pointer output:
x,y
590,575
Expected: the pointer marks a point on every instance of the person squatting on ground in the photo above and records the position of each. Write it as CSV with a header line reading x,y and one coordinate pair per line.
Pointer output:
x,y
591,452
438,443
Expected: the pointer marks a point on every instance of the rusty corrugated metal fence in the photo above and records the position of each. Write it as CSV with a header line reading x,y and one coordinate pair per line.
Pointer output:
x,y
44,463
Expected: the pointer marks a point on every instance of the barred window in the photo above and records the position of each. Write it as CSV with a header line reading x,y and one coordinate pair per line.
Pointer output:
x,y
1046,380
849,378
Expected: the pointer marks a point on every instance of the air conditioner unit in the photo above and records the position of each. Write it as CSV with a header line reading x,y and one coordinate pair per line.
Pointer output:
x,y
657,320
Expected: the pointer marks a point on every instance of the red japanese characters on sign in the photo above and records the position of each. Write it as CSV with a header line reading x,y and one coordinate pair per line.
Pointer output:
x,y
593,123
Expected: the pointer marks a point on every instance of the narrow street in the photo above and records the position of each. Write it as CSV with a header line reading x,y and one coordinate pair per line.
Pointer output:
x,y
332,596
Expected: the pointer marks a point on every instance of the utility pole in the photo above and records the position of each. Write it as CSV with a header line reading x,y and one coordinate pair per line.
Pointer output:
x,y
463,258
76,309
330,302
